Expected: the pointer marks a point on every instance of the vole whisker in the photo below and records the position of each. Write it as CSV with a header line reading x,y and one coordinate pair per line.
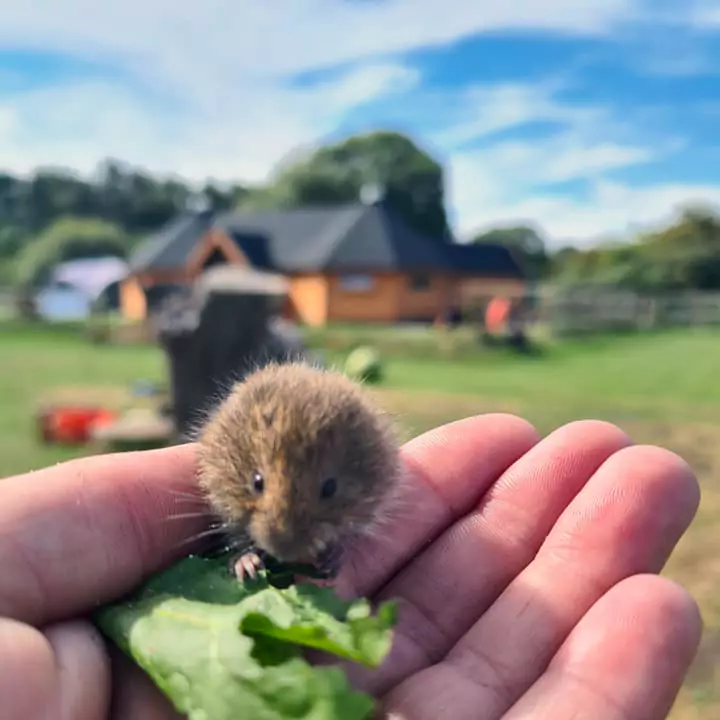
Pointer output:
x,y
174,492
191,515
199,536
181,502
187,502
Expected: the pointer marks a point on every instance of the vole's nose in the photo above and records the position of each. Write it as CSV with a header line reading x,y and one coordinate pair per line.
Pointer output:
x,y
287,546
329,559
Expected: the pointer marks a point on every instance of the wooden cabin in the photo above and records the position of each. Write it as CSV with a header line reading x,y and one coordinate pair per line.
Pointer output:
x,y
349,263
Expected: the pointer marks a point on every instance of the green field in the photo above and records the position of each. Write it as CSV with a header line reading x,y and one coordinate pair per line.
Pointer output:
x,y
662,388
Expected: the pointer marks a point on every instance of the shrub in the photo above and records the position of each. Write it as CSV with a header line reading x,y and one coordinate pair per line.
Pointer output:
x,y
364,364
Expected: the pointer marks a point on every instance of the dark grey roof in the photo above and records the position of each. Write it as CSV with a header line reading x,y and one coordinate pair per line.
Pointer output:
x,y
345,238
171,246
293,240
485,258
381,240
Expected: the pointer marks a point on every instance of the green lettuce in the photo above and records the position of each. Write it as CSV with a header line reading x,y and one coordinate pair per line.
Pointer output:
x,y
220,649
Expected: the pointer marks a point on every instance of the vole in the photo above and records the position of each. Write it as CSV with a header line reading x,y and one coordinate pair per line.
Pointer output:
x,y
296,462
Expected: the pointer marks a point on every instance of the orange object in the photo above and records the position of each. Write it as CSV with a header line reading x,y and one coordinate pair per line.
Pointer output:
x,y
497,314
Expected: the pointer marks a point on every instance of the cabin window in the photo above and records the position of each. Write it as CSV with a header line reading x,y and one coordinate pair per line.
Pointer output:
x,y
420,283
356,283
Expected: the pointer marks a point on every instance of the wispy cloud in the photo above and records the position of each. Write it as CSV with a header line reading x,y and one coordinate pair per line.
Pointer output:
x,y
610,209
285,36
702,13
242,138
508,182
485,110
523,179
227,88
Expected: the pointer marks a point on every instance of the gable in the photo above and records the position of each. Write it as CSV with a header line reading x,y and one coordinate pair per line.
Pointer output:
x,y
171,247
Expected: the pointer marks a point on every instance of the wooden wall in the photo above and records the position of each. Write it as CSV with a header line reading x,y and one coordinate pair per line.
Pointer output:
x,y
309,299
423,304
133,303
316,299
378,303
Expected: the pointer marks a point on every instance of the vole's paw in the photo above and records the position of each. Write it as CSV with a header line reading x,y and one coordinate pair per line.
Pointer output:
x,y
247,565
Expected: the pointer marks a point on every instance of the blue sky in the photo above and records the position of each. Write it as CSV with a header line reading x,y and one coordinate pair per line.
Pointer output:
x,y
588,119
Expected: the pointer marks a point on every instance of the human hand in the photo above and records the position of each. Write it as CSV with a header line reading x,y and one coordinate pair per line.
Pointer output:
x,y
525,572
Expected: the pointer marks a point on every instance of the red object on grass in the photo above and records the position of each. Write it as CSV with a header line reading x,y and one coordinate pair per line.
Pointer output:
x,y
72,425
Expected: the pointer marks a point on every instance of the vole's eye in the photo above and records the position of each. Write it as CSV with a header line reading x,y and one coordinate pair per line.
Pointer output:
x,y
329,488
258,483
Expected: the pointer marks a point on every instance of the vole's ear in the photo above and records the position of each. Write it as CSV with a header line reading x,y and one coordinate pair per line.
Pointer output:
x,y
268,416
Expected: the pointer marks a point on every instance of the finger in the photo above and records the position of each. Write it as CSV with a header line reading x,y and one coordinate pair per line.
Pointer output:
x,y
84,532
626,520
447,471
135,696
627,657
449,585
27,680
61,674
82,671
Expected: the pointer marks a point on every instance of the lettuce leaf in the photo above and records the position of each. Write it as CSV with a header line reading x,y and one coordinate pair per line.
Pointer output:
x,y
220,649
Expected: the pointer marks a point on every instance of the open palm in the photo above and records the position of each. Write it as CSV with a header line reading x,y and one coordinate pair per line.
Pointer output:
x,y
526,572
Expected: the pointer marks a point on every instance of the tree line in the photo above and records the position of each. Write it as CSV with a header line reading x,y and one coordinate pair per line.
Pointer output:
x,y
55,216
683,256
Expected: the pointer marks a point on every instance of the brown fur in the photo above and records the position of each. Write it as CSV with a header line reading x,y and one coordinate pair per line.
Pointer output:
x,y
297,426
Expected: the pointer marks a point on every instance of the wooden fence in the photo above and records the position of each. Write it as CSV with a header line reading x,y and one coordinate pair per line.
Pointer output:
x,y
602,310
561,311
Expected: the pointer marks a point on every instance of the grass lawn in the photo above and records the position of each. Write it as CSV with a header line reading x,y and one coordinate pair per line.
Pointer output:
x,y
662,388
33,363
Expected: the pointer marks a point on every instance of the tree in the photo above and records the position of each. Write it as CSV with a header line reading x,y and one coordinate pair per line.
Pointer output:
x,y
69,238
411,181
12,238
221,200
525,242
682,256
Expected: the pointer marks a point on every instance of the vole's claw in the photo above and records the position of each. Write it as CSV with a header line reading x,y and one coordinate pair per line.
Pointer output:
x,y
247,565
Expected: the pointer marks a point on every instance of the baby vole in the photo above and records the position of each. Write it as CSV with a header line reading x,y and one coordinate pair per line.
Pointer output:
x,y
296,462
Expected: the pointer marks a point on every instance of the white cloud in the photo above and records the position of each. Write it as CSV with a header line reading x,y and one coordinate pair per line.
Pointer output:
x,y
704,13
488,109
510,181
516,167
487,195
230,37
77,125
206,90
616,209
493,184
